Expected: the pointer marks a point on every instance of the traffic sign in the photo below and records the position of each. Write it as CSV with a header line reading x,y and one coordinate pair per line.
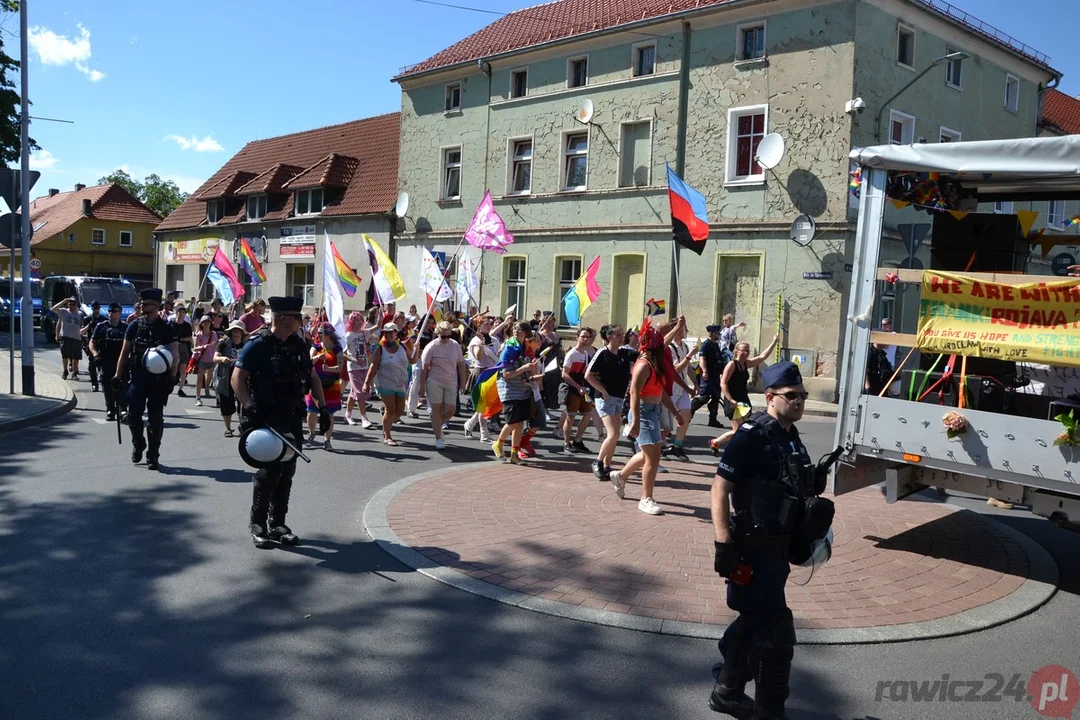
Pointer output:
x,y
11,192
35,264
1061,263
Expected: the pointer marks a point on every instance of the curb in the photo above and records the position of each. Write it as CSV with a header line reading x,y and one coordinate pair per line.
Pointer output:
x,y
1036,590
62,407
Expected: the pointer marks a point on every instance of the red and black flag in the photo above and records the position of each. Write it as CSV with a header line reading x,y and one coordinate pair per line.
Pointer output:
x,y
689,216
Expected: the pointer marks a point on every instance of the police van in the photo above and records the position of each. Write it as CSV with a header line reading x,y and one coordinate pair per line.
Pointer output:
x,y
13,301
86,290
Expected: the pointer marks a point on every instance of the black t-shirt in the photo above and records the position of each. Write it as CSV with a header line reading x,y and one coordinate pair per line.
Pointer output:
x,y
108,339
183,331
613,369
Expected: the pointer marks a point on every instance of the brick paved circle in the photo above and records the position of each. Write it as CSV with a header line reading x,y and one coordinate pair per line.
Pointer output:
x,y
561,535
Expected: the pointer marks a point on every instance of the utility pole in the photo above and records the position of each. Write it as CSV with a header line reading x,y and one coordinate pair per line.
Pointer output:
x,y
27,325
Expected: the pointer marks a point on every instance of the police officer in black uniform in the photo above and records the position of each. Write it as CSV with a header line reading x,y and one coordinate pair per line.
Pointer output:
x,y
272,374
95,319
712,367
105,346
766,477
146,391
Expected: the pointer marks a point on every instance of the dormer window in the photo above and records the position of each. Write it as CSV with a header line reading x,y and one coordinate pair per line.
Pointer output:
x,y
215,210
309,202
256,207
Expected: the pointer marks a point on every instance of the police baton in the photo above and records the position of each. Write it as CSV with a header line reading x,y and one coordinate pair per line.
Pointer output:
x,y
119,435
284,440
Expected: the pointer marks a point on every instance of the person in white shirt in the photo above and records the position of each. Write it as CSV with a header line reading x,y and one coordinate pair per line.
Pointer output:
x,y
442,372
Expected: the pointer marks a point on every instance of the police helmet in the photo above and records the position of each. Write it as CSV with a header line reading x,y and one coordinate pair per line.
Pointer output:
x,y
157,360
820,551
260,447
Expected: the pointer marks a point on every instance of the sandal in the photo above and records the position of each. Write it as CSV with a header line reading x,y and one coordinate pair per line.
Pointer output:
x,y
230,433
391,442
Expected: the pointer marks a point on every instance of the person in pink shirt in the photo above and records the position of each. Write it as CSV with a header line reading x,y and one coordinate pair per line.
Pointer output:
x,y
442,372
253,319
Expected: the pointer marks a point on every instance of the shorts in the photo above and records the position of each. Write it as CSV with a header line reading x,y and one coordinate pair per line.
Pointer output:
x,y
185,355
204,366
667,420
649,424
390,392
71,348
682,401
440,393
610,407
729,410
517,411
228,405
579,404
356,379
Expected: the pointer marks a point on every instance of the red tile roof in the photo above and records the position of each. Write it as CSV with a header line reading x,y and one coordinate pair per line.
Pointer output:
x,y
331,171
270,181
371,189
1062,112
107,202
564,19
226,186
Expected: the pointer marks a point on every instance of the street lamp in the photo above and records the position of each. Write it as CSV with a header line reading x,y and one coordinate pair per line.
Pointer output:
x,y
937,62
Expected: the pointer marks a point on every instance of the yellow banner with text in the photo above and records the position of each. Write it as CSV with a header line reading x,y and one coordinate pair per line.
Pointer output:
x,y
1015,320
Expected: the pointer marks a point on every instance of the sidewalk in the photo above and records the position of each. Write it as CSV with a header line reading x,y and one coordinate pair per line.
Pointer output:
x,y
53,396
813,407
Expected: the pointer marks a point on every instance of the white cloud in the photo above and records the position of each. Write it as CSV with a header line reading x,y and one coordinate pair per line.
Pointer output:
x,y
42,160
207,144
60,50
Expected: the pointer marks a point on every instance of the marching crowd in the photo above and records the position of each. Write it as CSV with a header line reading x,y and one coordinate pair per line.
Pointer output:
x,y
643,384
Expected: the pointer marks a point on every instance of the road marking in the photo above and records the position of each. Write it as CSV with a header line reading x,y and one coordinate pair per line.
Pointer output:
x,y
193,411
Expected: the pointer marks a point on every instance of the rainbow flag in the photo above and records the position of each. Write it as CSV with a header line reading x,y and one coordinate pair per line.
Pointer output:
x,y
250,264
350,281
485,392
584,292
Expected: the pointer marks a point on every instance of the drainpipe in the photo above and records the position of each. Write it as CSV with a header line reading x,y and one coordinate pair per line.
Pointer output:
x,y
680,146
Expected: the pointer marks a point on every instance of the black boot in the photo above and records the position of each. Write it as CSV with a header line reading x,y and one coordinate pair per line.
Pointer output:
x,y
153,452
731,701
713,422
260,537
280,531
138,446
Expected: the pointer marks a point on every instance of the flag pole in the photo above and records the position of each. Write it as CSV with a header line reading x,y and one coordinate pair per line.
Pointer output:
x,y
423,320
675,263
779,322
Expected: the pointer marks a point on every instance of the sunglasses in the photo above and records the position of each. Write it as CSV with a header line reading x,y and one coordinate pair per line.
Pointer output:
x,y
792,396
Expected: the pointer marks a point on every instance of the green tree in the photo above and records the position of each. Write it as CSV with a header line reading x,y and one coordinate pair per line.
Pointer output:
x,y
161,196
9,99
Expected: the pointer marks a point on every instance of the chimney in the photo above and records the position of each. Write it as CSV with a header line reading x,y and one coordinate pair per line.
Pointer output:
x,y
53,191
79,186
85,207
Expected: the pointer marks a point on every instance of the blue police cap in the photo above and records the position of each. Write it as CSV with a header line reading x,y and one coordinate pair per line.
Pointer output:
x,y
285,304
781,374
115,306
151,294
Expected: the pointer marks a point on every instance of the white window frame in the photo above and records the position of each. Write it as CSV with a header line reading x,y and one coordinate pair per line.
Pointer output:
x,y
622,141
902,28
265,206
309,193
949,49
565,156
93,236
909,122
130,238
1012,79
307,289
215,218
512,163
1054,222
444,172
523,283
562,287
570,70
1004,207
732,154
447,107
513,74
953,135
740,45
635,50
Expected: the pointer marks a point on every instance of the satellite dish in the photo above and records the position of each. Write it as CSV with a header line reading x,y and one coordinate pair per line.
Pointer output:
x,y
803,230
770,151
584,112
402,205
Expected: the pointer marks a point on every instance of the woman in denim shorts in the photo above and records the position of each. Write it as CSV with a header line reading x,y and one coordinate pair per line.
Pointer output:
x,y
609,374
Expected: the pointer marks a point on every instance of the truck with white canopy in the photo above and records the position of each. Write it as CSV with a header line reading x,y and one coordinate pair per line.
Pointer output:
x,y
1024,451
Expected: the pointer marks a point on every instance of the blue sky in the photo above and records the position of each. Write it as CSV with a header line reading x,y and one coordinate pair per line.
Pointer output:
x,y
176,90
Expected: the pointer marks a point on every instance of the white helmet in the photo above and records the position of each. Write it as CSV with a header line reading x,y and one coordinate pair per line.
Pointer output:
x,y
157,360
820,551
261,446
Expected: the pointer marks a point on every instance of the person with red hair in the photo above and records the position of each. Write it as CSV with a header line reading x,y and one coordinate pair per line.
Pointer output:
x,y
356,354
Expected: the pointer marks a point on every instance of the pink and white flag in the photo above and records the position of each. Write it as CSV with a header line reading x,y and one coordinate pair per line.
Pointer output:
x,y
487,230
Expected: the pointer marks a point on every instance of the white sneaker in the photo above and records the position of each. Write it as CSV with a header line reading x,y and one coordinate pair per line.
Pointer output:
x,y
486,439
618,483
198,403
440,443
648,505
365,423
348,419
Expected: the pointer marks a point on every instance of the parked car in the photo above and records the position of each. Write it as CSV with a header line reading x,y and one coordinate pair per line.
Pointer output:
x,y
86,290
13,300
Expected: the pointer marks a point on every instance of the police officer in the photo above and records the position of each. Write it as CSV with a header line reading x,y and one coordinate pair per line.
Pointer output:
x,y
105,346
147,391
766,477
712,367
272,374
95,319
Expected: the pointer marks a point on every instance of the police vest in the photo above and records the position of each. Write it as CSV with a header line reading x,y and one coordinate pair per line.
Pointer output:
x,y
787,480
146,336
112,340
281,391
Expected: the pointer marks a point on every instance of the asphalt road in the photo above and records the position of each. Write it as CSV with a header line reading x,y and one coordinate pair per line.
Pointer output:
x,y
131,594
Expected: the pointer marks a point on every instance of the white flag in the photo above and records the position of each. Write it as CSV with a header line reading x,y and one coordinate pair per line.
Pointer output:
x,y
431,278
332,300
468,282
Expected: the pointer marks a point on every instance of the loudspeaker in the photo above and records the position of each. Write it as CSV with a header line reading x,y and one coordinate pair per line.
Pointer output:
x,y
980,242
